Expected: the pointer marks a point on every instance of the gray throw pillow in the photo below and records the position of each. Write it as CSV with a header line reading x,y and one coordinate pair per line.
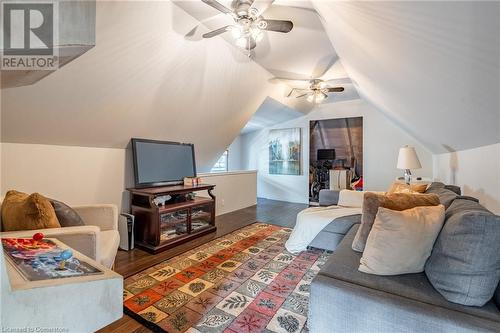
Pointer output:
x,y
464,265
66,215
445,195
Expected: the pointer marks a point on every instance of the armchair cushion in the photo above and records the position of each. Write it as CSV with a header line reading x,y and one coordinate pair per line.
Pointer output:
x,y
66,215
108,245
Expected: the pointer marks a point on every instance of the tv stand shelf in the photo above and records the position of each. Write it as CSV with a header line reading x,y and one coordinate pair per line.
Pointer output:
x,y
158,228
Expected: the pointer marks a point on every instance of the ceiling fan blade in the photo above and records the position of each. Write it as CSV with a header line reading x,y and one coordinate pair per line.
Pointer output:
x,y
259,6
296,89
303,95
218,6
277,25
216,32
335,89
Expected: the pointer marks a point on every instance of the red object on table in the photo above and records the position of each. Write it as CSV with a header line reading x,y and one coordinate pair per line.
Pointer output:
x,y
38,236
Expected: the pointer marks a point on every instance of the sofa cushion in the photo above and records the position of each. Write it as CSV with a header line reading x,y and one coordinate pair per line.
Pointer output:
x,y
341,225
401,241
395,201
343,265
465,263
66,215
446,195
21,211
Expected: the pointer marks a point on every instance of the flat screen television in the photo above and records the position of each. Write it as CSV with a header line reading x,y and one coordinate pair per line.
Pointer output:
x,y
160,163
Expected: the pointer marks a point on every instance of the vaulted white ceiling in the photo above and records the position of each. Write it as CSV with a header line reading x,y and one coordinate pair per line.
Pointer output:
x,y
432,67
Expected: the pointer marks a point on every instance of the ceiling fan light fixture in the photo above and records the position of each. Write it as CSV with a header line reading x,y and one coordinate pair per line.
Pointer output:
x,y
242,42
236,32
256,34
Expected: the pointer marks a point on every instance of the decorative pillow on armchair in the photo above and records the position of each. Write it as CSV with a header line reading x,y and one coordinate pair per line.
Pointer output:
x,y
21,211
393,201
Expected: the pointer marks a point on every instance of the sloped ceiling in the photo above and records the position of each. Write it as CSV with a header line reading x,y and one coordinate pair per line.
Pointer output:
x,y
432,67
143,79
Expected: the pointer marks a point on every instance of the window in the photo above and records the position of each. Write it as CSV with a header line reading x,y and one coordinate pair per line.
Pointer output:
x,y
221,165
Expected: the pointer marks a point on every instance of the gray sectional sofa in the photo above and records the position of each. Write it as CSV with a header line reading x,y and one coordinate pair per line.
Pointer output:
x,y
345,300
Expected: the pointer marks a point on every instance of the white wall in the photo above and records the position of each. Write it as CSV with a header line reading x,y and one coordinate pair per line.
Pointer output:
x,y
234,155
476,171
382,140
83,175
233,190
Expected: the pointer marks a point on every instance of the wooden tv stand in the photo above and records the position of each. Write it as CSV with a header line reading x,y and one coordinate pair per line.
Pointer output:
x,y
158,228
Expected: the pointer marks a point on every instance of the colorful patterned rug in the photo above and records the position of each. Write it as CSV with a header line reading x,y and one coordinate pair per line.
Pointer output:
x,y
240,283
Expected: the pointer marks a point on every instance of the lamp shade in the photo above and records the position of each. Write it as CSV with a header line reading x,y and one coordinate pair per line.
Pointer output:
x,y
408,159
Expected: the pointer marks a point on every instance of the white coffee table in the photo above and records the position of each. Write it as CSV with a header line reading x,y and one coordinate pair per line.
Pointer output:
x,y
72,304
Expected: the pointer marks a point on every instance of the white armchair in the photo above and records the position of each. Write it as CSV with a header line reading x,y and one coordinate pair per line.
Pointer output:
x,y
97,239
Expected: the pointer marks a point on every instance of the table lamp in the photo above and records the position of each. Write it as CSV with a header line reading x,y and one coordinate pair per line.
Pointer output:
x,y
408,160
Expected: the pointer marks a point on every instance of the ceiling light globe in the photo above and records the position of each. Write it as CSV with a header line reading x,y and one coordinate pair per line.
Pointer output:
x,y
242,42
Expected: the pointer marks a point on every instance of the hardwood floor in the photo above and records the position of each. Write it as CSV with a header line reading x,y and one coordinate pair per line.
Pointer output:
x,y
128,263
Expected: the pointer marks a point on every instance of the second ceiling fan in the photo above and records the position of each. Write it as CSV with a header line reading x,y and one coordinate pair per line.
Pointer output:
x,y
249,24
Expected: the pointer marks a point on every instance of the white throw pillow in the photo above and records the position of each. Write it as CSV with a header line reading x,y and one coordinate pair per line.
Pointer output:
x,y
400,242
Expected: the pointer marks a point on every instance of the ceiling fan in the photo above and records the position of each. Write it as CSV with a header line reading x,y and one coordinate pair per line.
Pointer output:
x,y
249,24
317,91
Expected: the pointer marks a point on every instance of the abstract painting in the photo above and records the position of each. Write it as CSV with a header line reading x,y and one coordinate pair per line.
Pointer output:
x,y
285,151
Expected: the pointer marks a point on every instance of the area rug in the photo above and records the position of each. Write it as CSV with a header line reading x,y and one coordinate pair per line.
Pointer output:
x,y
243,282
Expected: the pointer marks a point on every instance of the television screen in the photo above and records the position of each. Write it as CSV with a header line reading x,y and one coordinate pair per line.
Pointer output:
x,y
162,163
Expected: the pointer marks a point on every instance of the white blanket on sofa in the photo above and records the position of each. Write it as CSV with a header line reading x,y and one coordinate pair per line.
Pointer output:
x,y
311,221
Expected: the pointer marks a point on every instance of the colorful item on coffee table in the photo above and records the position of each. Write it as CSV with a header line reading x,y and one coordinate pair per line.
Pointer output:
x,y
37,259
243,282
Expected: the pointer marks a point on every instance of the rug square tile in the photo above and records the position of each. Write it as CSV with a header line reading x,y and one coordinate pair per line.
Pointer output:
x,y
220,257
213,249
274,250
199,256
153,314
214,275
264,276
263,244
300,265
297,303
204,302
286,322
127,294
228,330
167,286
280,288
173,301
240,275
291,275
164,273
215,321
263,257
183,264
180,321
189,274
241,257
206,265
143,300
234,303
224,287
253,250
275,266
192,330
249,321
253,264
196,287
271,239
303,288
266,304
251,288
308,256
309,275
229,265
284,257
140,285
225,243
